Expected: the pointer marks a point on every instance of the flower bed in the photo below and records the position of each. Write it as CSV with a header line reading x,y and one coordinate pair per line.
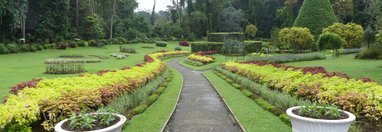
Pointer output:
x,y
211,52
91,90
363,98
200,58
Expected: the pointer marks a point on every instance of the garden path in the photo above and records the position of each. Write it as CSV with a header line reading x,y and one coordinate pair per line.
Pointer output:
x,y
200,108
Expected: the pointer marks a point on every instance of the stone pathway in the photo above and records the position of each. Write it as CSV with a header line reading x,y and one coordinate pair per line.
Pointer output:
x,y
200,108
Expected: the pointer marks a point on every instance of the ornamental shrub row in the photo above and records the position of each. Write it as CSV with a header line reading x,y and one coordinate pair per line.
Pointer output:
x,y
250,46
224,36
361,97
202,59
60,97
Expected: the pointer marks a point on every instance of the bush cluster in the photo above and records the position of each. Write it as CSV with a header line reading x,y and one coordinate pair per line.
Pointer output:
x,y
126,49
184,43
351,33
161,43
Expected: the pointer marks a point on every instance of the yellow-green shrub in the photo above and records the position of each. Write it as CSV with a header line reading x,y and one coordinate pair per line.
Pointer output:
x,y
364,99
351,33
200,58
26,107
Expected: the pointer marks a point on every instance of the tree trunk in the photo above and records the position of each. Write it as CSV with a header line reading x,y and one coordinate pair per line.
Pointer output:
x,y
77,17
91,6
111,19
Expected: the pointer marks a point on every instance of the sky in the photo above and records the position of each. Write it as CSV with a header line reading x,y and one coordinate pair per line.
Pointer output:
x,y
147,5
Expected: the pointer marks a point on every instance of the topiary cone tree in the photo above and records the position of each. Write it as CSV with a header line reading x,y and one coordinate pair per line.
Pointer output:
x,y
315,15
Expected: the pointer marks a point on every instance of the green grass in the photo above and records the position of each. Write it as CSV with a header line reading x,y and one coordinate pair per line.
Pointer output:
x,y
356,68
250,115
16,68
156,116
218,60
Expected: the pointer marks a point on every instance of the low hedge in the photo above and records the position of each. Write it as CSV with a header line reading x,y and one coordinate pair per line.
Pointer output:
x,y
223,36
161,43
250,46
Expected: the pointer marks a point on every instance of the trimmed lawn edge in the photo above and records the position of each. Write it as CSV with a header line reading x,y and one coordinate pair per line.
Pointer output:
x,y
138,122
226,105
251,116
177,100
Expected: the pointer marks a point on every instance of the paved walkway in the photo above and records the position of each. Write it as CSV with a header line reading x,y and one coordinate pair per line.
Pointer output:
x,y
200,108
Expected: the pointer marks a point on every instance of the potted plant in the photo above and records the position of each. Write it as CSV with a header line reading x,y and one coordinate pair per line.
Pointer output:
x,y
100,121
314,118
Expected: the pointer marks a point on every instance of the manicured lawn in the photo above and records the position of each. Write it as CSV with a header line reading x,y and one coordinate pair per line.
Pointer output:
x,y
250,115
218,60
346,63
155,117
15,68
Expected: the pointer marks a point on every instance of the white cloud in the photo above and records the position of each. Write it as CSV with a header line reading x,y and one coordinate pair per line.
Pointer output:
x,y
147,5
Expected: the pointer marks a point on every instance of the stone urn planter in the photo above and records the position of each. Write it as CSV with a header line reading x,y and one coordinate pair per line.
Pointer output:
x,y
116,127
306,124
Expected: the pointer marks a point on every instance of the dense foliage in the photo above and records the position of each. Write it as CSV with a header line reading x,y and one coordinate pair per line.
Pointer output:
x,y
360,97
330,41
351,33
315,15
297,38
250,30
201,58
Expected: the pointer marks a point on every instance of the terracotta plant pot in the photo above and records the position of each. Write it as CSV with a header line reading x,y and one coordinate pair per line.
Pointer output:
x,y
306,124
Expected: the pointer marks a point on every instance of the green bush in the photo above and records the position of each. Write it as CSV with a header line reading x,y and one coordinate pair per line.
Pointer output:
x,y
252,46
3,49
370,53
224,36
330,41
83,43
315,15
250,30
194,63
122,40
24,48
247,93
351,33
12,48
62,45
178,49
297,38
39,47
98,43
264,104
72,44
161,43
140,109
151,99
125,49
369,36
237,86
